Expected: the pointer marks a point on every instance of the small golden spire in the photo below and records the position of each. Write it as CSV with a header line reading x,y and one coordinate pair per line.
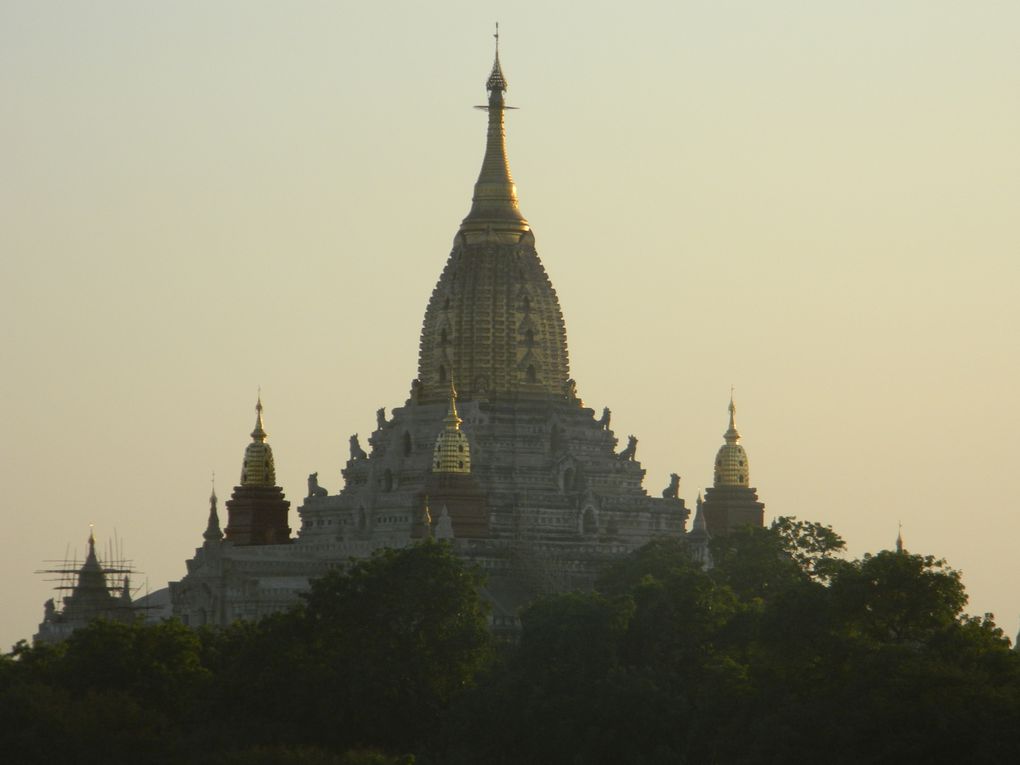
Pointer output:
x,y
731,435
258,468
452,419
731,460
899,538
259,434
452,452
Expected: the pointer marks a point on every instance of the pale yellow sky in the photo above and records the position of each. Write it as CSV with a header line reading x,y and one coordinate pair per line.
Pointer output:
x,y
814,201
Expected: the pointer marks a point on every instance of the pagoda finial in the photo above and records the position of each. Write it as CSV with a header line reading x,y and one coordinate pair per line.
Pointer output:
x,y
732,436
259,434
91,561
899,539
700,525
496,81
494,207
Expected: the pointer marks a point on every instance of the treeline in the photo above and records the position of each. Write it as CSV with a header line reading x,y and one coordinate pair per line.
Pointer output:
x,y
782,652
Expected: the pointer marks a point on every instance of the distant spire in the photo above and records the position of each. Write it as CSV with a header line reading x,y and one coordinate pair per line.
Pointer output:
x,y
899,539
699,525
125,590
91,556
494,204
90,575
213,533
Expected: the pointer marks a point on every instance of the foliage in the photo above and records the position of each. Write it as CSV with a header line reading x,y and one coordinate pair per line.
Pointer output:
x,y
784,651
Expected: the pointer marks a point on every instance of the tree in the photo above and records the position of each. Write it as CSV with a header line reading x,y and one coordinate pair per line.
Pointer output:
x,y
373,657
898,597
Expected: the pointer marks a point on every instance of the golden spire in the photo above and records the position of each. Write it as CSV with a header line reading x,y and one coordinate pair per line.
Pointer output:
x,y
452,453
494,206
452,419
258,468
731,460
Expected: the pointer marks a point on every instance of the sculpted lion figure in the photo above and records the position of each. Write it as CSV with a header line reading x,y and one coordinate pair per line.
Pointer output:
x,y
603,423
630,451
673,490
357,453
314,490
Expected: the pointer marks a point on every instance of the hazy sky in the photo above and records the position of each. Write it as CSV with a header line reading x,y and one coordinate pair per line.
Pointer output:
x,y
816,202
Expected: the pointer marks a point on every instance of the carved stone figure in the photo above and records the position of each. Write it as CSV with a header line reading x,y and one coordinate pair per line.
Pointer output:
x,y
604,420
630,451
380,418
357,453
570,389
673,490
314,490
443,528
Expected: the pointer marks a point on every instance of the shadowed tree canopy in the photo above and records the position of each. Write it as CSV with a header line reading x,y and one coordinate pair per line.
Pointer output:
x,y
784,651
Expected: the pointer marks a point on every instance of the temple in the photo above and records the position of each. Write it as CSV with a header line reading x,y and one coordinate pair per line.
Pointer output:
x,y
98,590
493,450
